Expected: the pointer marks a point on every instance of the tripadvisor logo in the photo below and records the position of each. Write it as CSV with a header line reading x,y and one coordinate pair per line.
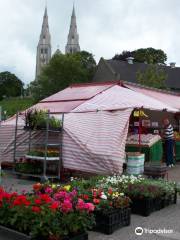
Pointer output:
x,y
139,231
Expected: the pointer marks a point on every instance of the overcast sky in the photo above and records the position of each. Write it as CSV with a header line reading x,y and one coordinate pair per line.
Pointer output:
x,y
105,27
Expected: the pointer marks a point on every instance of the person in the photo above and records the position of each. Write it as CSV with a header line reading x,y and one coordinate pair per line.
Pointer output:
x,y
168,135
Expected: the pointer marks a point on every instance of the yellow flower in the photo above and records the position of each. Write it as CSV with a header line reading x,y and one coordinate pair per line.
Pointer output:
x,y
53,186
67,187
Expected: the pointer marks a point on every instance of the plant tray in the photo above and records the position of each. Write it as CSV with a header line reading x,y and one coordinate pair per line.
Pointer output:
x,y
143,207
42,158
108,222
8,233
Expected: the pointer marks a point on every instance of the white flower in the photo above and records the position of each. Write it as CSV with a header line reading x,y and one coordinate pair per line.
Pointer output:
x,y
103,196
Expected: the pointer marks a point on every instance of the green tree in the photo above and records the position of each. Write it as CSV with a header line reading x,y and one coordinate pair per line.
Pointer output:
x,y
61,71
148,55
10,85
152,76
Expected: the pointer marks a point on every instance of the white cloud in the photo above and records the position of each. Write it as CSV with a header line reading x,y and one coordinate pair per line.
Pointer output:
x,y
105,28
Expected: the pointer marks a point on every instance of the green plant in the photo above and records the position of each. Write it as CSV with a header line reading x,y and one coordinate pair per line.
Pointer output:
x,y
39,119
43,216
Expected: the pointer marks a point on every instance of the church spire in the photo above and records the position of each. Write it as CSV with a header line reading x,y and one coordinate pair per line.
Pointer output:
x,y
73,37
44,45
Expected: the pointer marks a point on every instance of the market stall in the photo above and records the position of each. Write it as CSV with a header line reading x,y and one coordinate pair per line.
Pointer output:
x,y
151,146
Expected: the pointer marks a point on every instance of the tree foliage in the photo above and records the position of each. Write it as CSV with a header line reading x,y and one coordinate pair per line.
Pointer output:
x,y
148,55
62,71
10,85
152,76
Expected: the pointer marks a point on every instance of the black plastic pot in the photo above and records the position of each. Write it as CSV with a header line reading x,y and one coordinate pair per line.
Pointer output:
x,y
143,207
109,221
9,233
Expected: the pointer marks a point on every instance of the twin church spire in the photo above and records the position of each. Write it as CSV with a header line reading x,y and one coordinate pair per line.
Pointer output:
x,y
44,45
73,36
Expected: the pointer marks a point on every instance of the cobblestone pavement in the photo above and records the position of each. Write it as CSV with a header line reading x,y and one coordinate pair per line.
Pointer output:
x,y
168,218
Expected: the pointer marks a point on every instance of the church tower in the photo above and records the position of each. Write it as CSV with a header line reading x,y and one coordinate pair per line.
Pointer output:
x,y
44,46
73,37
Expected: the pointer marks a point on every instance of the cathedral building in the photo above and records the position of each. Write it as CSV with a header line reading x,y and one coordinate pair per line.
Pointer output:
x,y
44,45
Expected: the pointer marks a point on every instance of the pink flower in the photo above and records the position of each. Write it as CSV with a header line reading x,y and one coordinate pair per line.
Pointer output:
x,y
66,206
48,190
90,207
80,204
61,195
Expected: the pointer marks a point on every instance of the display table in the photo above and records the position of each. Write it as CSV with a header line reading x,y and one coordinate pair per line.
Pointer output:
x,y
152,153
177,149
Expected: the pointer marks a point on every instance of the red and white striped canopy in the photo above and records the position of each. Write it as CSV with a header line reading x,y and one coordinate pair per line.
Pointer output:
x,y
116,98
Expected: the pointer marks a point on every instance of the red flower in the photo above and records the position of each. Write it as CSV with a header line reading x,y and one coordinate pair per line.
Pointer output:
x,y
110,191
96,201
46,198
85,197
54,206
36,209
21,200
38,201
37,187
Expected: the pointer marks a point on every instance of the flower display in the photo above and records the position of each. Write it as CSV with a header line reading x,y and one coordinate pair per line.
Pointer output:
x,y
63,210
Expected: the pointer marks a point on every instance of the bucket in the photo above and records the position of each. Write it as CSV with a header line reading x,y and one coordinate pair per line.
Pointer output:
x,y
135,163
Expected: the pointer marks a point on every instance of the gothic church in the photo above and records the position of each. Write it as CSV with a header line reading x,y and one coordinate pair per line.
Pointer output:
x,y
44,45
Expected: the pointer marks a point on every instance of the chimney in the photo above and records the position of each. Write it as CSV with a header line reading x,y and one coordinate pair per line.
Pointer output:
x,y
130,60
172,64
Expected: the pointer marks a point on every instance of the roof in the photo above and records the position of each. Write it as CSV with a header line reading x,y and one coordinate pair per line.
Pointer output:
x,y
73,96
169,98
117,98
128,72
76,92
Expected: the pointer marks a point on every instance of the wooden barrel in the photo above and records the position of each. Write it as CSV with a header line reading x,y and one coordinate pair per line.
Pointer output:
x,y
135,163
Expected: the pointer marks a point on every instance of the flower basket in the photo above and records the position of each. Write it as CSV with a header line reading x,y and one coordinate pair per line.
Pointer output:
x,y
109,221
15,235
143,207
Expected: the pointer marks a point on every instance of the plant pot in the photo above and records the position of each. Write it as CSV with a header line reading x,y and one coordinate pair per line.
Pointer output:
x,y
175,197
108,222
157,203
9,233
142,206
167,200
81,236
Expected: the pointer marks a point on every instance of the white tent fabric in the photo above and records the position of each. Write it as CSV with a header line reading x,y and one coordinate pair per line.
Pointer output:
x,y
117,97
95,142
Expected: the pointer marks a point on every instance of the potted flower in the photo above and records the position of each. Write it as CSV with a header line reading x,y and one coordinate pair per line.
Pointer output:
x,y
61,216
111,209
38,119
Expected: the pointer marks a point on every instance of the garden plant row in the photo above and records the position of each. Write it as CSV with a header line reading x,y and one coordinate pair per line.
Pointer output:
x,y
62,212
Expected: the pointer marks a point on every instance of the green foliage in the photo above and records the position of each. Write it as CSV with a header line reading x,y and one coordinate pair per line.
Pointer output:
x,y
62,71
152,76
12,105
10,85
148,55
38,119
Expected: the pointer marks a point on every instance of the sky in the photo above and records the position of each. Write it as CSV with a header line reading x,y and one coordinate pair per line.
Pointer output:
x,y
105,27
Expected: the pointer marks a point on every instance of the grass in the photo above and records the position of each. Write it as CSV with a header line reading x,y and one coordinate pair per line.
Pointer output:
x,y
12,105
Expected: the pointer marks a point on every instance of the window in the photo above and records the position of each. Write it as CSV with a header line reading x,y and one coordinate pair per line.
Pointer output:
x,y
42,50
46,50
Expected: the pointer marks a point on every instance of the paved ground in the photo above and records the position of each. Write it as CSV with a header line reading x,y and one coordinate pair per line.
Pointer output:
x,y
168,218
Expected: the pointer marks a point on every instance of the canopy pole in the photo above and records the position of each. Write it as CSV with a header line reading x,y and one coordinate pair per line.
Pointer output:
x,y
140,129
